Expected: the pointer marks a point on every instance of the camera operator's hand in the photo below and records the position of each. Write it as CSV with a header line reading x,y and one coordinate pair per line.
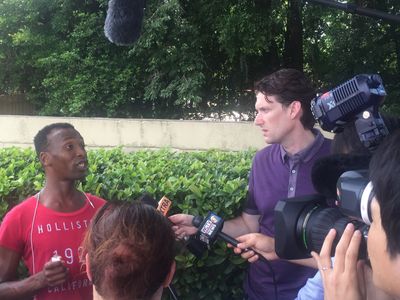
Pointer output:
x,y
263,244
183,226
345,280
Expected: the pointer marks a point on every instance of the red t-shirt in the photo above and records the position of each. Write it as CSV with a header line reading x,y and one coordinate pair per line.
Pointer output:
x,y
52,233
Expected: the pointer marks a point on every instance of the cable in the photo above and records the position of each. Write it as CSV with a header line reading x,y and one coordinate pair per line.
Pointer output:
x,y
31,235
262,258
172,292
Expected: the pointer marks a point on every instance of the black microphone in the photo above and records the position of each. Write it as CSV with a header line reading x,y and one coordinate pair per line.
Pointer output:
x,y
123,23
210,228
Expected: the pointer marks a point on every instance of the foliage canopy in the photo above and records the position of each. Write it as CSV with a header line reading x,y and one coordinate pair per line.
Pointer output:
x,y
193,59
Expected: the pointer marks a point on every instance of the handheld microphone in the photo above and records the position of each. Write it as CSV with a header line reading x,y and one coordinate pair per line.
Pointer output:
x,y
193,244
164,205
210,228
123,23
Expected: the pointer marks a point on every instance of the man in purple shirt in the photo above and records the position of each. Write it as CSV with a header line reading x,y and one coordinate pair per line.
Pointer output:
x,y
279,171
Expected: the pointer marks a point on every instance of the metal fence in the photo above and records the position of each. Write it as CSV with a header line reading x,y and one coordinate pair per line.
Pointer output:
x,y
16,105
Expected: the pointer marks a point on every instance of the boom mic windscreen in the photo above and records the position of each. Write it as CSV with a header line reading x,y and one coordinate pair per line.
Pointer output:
x,y
124,21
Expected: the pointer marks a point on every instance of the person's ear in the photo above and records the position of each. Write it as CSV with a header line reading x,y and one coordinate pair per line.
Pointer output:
x,y
44,158
89,274
170,275
295,109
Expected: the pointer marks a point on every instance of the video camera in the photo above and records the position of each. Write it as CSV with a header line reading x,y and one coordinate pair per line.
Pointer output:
x,y
302,223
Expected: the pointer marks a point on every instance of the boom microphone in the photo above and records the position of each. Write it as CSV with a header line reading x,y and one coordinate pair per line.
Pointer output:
x,y
124,21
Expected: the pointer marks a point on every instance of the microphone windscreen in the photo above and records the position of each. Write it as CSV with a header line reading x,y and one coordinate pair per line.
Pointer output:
x,y
124,21
327,170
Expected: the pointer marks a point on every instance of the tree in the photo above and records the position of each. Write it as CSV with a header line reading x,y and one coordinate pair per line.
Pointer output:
x,y
194,58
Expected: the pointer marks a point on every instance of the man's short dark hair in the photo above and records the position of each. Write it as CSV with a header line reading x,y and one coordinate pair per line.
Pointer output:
x,y
40,140
290,85
384,171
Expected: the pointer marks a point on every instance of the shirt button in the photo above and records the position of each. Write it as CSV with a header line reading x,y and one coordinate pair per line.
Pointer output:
x,y
291,189
293,171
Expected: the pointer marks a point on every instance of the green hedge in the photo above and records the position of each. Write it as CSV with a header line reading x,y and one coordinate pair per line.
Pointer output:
x,y
196,182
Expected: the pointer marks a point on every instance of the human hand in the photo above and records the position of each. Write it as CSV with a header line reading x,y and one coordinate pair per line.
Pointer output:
x,y
182,225
252,245
54,273
345,279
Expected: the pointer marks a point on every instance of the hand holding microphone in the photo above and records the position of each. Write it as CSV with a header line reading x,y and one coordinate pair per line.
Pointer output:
x,y
253,246
54,272
183,225
195,246
209,229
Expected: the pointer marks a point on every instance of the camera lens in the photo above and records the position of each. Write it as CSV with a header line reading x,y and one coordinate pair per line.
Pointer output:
x,y
317,225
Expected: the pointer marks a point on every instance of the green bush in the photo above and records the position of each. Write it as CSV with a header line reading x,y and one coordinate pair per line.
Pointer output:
x,y
196,182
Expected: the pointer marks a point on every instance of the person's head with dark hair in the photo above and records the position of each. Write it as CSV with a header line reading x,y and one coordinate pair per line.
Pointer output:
x,y
61,151
288,86
348,141
130,250
40,140
348,153
384,233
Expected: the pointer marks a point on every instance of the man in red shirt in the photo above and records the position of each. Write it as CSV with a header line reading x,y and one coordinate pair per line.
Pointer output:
x,y
46,230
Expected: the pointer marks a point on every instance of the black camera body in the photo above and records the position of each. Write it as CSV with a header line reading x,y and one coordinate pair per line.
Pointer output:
x,y
302,223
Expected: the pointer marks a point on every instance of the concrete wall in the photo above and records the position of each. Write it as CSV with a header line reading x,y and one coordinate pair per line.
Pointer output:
x,y
133,134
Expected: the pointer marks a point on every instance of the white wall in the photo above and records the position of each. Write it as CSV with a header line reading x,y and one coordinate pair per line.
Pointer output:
x,y
138,133
133,134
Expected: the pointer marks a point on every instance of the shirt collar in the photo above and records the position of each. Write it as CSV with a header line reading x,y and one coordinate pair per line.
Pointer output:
x,y
307,153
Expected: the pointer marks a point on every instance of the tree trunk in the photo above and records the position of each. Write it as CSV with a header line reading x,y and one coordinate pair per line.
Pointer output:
x,y
293,52
396,38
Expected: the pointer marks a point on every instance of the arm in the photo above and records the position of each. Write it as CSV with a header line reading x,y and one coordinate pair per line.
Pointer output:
x,y
182,225
243,224
264,245
53,273
312,290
